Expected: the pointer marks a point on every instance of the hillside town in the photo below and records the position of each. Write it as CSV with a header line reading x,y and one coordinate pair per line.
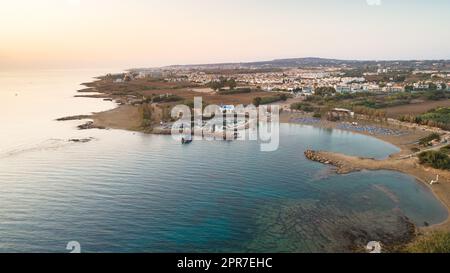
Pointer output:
x,y
376,78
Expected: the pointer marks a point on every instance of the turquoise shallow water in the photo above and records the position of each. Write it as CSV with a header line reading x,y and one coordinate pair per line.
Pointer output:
x,y
127,192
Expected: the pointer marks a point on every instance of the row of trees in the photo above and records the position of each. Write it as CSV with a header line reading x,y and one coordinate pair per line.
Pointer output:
x,y
236,91
303,106
371,113
325,91
266,100
423,121
435,118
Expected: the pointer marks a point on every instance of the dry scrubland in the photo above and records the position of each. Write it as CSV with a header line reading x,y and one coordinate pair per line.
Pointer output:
x,y
137,111
415,108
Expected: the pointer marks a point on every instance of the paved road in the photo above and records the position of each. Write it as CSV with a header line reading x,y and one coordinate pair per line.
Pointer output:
x,y
435,148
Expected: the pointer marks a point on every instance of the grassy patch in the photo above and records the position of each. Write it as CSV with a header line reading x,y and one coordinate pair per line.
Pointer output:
x,y
267,100
438,242
445,149
235,91
426,140
170,98
303,106
437,160
438,117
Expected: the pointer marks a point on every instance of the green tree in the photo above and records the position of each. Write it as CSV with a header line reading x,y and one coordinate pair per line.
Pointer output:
x,y
409,88
215,85
232,84
257,101
432,86
436,242
303,106
426,140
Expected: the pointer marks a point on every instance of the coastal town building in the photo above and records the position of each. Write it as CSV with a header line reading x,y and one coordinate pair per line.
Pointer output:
x,y
298,80
339,113
343,89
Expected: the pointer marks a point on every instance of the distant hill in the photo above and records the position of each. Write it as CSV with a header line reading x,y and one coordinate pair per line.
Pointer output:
x,y
315,62
301,62
294,62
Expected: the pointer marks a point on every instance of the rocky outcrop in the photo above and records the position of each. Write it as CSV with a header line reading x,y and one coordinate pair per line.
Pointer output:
x,y
90,125
79,117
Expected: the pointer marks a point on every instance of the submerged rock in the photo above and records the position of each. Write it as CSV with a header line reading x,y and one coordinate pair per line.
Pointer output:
x,y
81,140
323,227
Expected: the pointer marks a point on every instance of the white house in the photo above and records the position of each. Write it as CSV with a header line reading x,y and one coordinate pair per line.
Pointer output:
x,y
343,89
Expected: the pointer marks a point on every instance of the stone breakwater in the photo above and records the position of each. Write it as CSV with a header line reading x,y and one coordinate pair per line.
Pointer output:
x,y
316,156
321,157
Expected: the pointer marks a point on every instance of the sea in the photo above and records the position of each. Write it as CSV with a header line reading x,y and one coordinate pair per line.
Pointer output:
x,y
129,192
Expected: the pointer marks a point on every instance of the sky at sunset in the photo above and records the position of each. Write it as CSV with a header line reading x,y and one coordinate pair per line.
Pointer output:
x,y
143,33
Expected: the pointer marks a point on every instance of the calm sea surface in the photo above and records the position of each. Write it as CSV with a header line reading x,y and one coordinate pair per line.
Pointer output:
x,y
129,192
